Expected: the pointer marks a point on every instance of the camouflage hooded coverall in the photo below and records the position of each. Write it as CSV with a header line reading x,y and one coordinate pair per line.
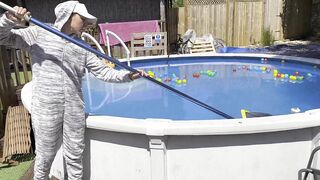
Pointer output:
x,y
57,102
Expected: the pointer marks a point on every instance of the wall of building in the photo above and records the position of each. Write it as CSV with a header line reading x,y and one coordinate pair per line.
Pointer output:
x,y
105,11
316,18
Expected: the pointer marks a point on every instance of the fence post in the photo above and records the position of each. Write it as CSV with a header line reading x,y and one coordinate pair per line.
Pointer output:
x,y
181,21
263,17
8,82
162,11
185,3
24,66
227,23
232,27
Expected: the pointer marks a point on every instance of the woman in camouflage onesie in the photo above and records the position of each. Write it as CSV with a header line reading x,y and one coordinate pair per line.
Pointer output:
x,y
58,66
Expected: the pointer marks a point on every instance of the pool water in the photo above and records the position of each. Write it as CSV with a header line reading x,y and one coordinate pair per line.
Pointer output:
x,y
226,84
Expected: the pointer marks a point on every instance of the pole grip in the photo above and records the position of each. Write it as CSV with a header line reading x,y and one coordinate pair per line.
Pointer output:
x,y
7,7
12,10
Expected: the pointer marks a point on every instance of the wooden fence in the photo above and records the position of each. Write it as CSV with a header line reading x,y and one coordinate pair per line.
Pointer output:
x,y
241,22
273,18
236,22
14,73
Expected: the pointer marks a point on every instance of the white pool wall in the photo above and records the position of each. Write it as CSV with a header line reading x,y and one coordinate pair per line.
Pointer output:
x,y
264,148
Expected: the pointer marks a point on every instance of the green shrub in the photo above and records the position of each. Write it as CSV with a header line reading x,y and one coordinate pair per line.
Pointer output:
x,y
177,3
267,38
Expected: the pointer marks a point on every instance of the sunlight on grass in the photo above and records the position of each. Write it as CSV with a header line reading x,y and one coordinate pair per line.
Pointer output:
x,y
14,172
22,78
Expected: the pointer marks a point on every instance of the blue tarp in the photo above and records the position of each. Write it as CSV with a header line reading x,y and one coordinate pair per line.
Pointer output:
x,y
241,50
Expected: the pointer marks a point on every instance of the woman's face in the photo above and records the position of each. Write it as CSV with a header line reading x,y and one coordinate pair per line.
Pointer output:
x,y
77,24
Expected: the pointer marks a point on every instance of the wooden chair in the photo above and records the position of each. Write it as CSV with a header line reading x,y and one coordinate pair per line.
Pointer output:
x,y
17,138
202,46
149,44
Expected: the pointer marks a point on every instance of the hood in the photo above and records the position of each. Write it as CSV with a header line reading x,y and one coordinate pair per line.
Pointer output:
x,y
63,12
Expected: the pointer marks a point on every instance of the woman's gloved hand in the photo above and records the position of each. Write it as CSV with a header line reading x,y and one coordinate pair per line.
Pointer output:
x,y
19,16
137,75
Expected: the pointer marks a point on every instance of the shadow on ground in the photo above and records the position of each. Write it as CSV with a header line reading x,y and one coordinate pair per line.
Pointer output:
x,y
296,48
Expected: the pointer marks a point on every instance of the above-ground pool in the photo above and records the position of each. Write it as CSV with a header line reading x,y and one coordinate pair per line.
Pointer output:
x,y
229,84
141,131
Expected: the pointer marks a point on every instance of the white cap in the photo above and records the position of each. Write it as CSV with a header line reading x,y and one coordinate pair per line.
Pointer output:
x,y
82,11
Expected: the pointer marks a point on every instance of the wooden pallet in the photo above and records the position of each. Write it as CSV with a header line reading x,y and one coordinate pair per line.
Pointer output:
x,y
202,47
17,139
157,47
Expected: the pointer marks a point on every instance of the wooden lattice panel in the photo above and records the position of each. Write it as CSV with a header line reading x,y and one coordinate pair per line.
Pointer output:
x,y
248,0
17,134
205,2
212,2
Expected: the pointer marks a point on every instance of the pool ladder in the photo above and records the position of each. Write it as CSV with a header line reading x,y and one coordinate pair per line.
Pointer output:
x,y
87,35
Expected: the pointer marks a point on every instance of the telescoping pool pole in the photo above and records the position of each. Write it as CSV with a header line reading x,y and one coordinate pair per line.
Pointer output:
x,y
115,61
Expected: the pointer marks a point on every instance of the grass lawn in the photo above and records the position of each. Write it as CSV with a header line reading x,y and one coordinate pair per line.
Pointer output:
x,y
8,172
22,78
